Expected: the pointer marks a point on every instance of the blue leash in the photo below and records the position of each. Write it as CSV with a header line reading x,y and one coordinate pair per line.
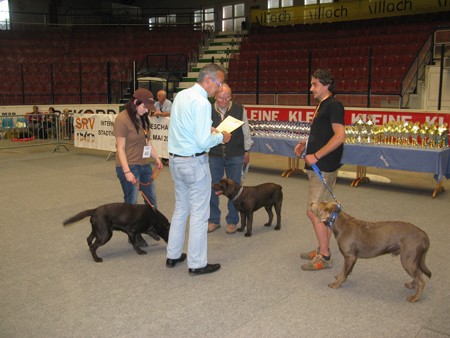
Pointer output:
x,y
319,173
334,215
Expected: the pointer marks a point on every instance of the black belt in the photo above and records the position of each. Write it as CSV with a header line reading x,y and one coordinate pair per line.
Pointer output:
x,y
195,155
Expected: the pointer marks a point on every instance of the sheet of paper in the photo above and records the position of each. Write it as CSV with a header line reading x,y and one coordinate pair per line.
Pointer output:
x,y
229,124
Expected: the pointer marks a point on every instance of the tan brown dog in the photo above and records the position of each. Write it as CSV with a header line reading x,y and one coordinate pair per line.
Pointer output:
x,y
362,239
132,219
248,199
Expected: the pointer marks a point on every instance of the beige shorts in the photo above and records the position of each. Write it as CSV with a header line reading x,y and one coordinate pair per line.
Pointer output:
x,y
317,191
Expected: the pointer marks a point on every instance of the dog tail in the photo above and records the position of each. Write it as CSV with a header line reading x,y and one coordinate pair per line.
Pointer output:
x,y
425,247
79,216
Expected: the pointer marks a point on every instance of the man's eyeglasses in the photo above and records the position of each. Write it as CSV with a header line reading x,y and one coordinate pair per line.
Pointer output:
x,y
219,83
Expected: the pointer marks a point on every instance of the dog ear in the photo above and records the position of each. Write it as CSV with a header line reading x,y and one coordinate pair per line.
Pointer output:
x,y
330,206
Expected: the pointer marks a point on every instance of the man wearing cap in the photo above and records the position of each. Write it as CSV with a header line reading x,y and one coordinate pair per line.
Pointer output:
x,y
190,137
134,149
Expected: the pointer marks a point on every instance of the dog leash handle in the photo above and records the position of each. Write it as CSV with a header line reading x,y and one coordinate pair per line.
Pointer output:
x,y
317,171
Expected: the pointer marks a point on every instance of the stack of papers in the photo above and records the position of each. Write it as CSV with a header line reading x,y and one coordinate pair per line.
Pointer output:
x,y
229,124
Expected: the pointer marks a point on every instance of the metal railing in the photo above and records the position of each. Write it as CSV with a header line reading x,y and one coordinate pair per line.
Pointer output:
x,y
416,71
36,130
84,18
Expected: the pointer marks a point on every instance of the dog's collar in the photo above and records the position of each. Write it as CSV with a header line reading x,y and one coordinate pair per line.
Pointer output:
x,y
333,217
238,194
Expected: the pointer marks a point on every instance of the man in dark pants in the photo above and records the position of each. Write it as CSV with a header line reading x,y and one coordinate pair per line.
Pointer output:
x,y
231,157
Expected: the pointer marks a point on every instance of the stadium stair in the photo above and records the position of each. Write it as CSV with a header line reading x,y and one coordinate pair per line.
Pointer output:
x,y
219,49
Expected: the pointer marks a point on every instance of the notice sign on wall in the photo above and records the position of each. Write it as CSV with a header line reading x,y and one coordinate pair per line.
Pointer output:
x,y
94,131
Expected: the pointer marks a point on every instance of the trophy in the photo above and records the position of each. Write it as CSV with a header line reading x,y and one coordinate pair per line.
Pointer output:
x,y
377,132
407,130
398,133
442,136
423,131
415,134
432,136
388,133
360,125
369,129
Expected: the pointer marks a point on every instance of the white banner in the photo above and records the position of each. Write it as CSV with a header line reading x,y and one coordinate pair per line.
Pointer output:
x,y
96,131
159,131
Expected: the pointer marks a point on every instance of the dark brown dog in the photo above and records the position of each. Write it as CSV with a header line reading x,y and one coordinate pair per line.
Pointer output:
x,y
133,219
362,239
249,199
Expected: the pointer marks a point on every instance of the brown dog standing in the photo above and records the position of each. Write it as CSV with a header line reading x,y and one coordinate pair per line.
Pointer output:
x,y
362,239
248,199
132,219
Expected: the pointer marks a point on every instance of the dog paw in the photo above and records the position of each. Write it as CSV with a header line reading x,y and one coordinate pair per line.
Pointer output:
x,y
240,230
141,252
334,285
247,234
412,299
277,227
267,224
98,260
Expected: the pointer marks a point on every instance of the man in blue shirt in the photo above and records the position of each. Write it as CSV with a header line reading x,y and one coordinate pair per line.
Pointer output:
x,y
190,137
163,105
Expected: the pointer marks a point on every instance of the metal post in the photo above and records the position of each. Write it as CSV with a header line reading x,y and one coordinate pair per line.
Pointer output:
x,y
52,83
81,82
108,82
369,83
441,76
309,76
257,78
134,77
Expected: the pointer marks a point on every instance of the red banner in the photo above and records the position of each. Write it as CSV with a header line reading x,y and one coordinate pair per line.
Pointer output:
x,y
379,116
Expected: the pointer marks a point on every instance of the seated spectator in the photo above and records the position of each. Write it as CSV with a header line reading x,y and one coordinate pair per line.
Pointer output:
x,y
48,122
35,121
162,109
163,105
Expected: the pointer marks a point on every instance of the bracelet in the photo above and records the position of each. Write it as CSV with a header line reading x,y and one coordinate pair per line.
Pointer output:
x,y
126,172
316,157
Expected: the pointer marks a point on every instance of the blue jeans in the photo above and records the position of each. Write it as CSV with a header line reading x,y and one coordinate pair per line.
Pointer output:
x,y
192,182
143,174
233,169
